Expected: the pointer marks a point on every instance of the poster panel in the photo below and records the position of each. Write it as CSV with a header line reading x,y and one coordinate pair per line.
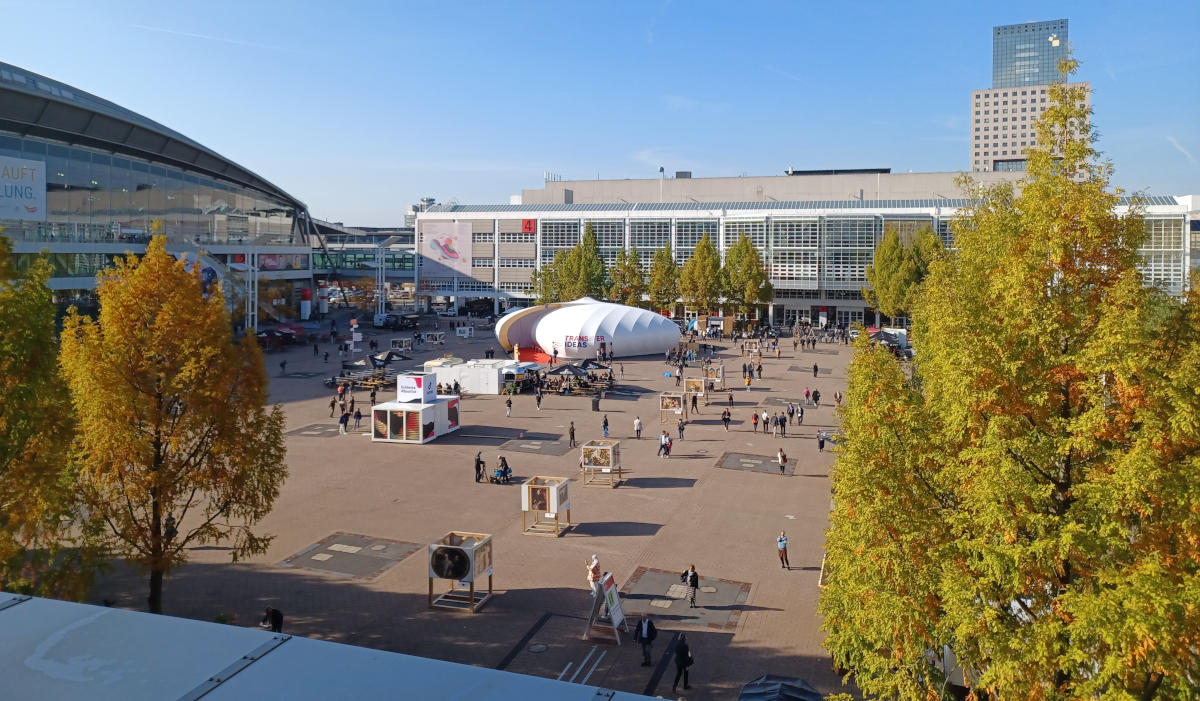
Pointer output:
x,y
671,402
447,244
22,189
417,388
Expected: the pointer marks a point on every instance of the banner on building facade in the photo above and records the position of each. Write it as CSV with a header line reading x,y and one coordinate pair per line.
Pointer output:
x,y
22,189
448,244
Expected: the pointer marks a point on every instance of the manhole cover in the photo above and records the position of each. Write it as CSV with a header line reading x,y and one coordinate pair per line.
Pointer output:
x,y
709,590
661,603
703,451
538,647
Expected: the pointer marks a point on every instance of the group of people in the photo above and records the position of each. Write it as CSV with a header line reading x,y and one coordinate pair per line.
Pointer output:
x,y
501,475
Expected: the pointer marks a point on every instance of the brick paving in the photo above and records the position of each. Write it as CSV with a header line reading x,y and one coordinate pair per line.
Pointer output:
x,y
668,513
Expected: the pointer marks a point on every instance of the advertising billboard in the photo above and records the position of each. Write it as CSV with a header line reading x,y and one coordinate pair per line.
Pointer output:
x,y
22,189
416,388
447,244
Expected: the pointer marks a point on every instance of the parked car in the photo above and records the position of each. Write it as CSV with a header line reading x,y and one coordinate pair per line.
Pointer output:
x,y
449,313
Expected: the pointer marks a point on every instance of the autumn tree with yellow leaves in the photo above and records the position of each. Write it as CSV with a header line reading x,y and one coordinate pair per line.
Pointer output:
x,y
176,445
1027,498
41,547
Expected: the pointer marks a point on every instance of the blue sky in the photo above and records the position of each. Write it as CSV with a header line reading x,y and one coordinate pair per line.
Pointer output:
x,y
360,108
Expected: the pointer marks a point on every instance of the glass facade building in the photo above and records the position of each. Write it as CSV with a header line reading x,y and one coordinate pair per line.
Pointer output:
x,y
1024,55
89,181
817,252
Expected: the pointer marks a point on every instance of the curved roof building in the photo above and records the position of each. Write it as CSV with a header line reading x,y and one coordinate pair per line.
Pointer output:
x,y
579,328
90,180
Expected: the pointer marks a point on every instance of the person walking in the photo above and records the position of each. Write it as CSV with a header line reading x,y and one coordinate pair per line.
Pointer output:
x,y
754,421
725,419
816,398
662,443
759,369
537,399
799,415
782,457
680,426
667,445
731,400
747,383
343,421
683,660
837,398
783,422
791,410
316,350
807,394
621,368
372,397
795,344
508,407
604,425
357,418
820,443
332,406
326,356
479,466
282,368
571,435
352,400
781,543
691,579
637,427
694,409
645,633
814,369
774,426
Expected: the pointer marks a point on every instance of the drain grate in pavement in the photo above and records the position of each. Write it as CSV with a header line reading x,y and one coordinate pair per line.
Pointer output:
x,y
352,556
554,448
719,603
316,430
782,401
754,463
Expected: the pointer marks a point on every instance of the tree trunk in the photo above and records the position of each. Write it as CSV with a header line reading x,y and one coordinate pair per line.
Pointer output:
x,y
156,584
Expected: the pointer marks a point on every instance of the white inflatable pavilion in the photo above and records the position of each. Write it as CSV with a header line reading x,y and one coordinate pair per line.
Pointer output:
x,y
580,328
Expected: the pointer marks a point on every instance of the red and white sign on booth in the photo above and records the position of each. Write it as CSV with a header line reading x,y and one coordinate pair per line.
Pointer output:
x,y
416,387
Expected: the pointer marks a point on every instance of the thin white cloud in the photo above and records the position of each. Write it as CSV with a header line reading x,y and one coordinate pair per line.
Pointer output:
x,y
785,74
205,37
1179,147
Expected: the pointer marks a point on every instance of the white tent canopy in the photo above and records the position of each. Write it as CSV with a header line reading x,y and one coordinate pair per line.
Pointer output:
x,y
578,329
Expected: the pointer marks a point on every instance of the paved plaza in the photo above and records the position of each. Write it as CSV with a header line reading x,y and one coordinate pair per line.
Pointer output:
x,y
351,524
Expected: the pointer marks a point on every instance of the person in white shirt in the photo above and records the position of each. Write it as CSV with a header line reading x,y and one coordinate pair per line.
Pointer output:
x,y
637,426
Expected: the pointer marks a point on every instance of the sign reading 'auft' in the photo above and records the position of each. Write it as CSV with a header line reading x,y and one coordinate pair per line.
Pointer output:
x,y
22,189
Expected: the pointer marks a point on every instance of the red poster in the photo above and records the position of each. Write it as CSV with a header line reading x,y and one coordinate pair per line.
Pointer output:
x,y
529,226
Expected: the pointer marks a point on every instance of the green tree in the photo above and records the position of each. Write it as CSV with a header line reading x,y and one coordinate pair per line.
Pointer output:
x,y
895,276
1028,496
544,282
744,276
584,274
700,277
663,287
40,551
628,282
176,443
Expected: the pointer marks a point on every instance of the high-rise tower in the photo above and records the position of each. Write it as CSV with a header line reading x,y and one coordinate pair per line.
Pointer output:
x,y
1024,64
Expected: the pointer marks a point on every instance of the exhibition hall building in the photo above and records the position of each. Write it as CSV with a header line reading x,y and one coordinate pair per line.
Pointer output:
x,y
816,231
89,181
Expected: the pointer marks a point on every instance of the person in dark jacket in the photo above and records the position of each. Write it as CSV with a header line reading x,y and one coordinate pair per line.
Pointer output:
x,y
272,619
683,660
691,579
645,633
478,466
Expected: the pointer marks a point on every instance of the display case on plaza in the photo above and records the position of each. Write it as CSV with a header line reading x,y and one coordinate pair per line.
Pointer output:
x,y
545,506
418,415
714,376
402,344
671,405
465,558
600,462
